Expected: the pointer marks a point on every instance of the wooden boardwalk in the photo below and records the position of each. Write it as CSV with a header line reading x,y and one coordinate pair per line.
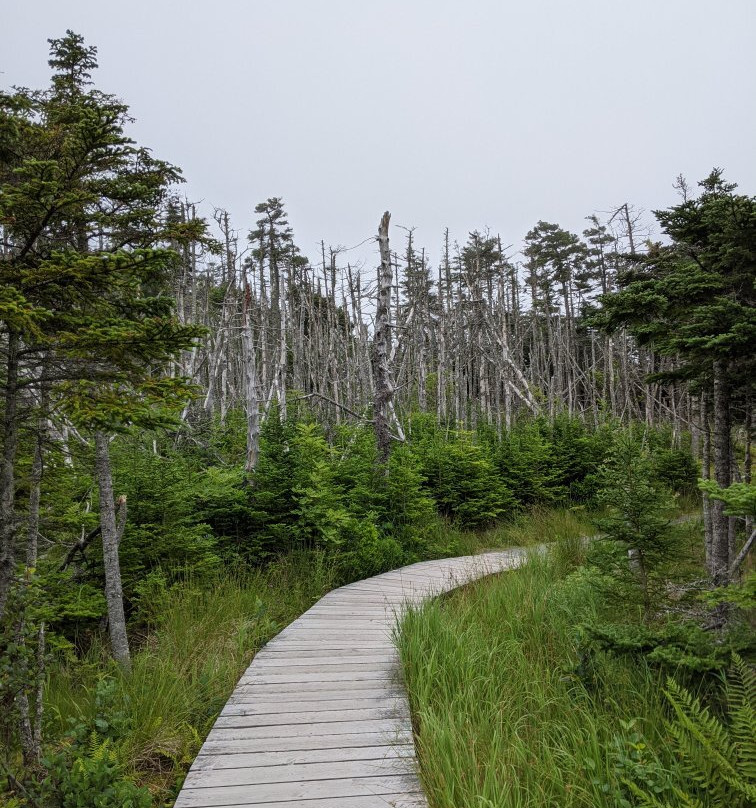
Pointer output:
x,y
320,718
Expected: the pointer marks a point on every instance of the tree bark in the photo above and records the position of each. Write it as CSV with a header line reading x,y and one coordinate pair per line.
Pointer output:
x,y
7,472
740,558
110,539
706,475
720,547
252,395
383,388
747,459
35,488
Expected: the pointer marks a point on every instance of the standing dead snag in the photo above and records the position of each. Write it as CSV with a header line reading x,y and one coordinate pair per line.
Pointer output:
x,y
384,390
250,374
110,540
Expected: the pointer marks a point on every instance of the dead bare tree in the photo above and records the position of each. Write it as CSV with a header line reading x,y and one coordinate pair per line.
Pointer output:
x,y
384,390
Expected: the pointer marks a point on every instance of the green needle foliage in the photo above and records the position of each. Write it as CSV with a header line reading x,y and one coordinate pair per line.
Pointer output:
x,y
638,517
694,298
84,287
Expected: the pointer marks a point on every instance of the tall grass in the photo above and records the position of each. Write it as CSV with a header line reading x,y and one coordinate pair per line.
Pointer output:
x,y
506,712
202,638
538,525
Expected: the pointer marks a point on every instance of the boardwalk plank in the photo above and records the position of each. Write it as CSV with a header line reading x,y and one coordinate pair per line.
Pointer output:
x,y
282,706
371,725
321,716
299,772
416,800
276,701
299,743
240,760
272,792
300,659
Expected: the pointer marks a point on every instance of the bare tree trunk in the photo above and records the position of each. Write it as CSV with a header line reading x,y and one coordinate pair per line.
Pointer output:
x,y
252,396
282,350
748,460
30,725
110,539
706,474
7,472
441,358
720,549
383,388
741,556
35,486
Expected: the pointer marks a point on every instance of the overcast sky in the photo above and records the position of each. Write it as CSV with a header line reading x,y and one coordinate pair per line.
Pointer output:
x,y
462,114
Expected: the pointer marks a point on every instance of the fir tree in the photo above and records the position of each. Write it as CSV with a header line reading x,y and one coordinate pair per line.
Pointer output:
x,y
88,328
694,300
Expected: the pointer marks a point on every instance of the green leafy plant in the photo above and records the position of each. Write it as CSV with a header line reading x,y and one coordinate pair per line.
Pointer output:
x,y
95,779
636,768
717,755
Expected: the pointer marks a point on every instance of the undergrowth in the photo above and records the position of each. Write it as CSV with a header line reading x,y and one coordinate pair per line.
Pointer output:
x,y
200,639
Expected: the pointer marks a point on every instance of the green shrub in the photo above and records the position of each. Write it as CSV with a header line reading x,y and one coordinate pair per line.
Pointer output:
x,y
94,779
525,463
638,517
675,645
370,554
676,469
462,479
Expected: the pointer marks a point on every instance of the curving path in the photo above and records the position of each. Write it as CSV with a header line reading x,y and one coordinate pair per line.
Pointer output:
x,y
320,718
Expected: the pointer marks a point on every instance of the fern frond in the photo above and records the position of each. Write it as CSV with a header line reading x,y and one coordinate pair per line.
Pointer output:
x,y
741,696
695,724
647,800
740,786
745,676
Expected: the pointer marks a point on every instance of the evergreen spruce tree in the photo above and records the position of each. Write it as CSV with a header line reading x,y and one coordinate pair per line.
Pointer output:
x,y
694,300
638,509
87,327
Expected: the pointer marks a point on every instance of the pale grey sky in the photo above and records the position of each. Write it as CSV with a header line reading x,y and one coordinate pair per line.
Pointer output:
x,y
461,114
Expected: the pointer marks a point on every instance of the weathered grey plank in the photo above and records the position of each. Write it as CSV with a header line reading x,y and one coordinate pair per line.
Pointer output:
x,y
373,801
299,772
314,657
320,667
298,743
283,707
372,725
272,792
242,759
278,688
266,677
320,718
333,644
251,704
